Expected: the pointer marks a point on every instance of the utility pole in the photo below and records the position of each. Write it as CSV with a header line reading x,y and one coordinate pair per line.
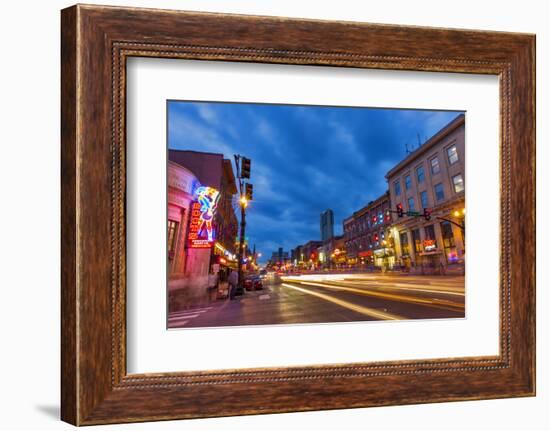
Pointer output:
x,y
243,171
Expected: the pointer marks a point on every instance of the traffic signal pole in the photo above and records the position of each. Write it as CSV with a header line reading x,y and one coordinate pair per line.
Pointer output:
x,y
243,171
427,214
241,244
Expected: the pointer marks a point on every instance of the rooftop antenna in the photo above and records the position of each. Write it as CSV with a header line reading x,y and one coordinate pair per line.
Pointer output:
x,y
418,136
407,149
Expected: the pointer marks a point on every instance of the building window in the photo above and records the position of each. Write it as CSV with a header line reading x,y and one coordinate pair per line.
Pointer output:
x,y
424,199
420,174
405,250
407,182
452,155
410,201
416,240
448,242
435,165
439,193
430,243
397,188
429,232
458,183
172,234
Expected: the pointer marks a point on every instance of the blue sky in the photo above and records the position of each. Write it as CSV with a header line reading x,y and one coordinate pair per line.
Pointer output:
x,y
305,159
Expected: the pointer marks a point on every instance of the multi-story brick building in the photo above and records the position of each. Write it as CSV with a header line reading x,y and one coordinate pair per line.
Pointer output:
x,y
366,235
433,178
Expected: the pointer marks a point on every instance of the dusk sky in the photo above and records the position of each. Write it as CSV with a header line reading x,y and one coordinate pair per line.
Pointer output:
x,y
305,159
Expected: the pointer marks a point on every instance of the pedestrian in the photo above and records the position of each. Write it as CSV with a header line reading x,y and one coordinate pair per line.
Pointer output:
x,y
233,283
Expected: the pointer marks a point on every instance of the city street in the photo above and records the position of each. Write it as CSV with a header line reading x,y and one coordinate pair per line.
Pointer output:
x,y
325,298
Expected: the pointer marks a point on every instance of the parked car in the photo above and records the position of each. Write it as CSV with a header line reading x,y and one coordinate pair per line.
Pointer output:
x,y
253,283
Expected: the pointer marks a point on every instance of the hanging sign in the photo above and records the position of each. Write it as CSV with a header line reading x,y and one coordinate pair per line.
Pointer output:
x,y
201,231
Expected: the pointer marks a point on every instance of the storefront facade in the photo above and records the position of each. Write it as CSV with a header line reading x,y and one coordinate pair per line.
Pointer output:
x,y
431,179
366,236
202,226
181,185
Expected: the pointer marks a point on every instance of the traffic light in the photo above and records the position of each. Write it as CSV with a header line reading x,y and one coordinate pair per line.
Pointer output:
x,y
427,213
245,168
248,191
399,210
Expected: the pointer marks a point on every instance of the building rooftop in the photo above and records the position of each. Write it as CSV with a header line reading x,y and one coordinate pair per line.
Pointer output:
x,y
417,153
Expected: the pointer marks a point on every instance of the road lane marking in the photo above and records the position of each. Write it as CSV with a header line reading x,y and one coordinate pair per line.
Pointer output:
x,y
184,316
349,305
179,323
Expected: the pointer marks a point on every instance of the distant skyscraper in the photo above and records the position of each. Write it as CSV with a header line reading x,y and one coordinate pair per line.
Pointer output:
x,y
327,225
279,256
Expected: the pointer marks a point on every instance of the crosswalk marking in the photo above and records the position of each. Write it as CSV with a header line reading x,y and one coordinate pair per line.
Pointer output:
x,y
182,317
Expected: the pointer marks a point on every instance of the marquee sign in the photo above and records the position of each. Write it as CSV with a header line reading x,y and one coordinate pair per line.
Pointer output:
x,y
201,232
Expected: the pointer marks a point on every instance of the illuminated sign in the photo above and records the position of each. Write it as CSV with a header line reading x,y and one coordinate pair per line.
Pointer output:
x,y
429,244
201,231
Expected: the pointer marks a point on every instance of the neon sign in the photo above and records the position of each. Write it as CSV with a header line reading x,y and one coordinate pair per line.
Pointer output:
x,y
429,244
201,232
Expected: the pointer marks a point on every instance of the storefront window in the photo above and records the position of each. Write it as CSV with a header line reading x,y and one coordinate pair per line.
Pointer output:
x,y
403,238
416,241
448,242
429,232
172,234
430,243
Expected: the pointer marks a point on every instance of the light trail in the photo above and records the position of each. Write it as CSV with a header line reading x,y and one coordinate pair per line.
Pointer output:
x,y
443,290
428,302
382,315
412,287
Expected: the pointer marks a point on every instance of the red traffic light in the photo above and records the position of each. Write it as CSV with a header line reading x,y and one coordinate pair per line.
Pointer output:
x,y
400,210
427,213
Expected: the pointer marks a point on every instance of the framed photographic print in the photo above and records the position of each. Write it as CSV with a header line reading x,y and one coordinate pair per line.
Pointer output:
x,y
282,206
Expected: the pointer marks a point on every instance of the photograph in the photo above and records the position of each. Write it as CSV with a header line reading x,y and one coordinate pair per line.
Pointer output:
x,y
271,200
298,214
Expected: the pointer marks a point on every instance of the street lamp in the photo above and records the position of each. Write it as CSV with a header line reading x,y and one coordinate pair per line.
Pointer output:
x,y
243,201
458,213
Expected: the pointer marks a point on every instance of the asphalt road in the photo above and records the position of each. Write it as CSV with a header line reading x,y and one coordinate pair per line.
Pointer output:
x,y
334,298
